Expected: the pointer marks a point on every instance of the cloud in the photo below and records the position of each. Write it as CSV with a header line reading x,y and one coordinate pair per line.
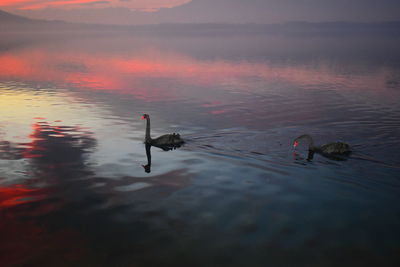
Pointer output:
x,y
144,5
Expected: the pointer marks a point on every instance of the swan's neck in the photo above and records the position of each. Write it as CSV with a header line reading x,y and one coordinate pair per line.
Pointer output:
x,y
310,141
148,138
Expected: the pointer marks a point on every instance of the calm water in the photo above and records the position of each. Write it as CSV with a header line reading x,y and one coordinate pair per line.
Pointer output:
x,y
73,190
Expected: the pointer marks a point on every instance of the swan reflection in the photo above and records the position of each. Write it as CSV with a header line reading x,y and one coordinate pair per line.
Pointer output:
x,y
147,167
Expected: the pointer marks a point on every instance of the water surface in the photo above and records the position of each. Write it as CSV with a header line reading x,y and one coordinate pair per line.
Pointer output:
x,y
73,190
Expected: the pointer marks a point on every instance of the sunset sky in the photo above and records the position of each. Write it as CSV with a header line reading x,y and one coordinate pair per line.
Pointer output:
x,y
143,5
205,11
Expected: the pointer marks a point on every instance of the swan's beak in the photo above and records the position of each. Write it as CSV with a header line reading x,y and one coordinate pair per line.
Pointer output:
x,y
295,144
142,118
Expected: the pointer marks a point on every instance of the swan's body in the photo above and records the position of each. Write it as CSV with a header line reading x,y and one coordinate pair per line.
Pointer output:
x,y
166,141
330,149
335,148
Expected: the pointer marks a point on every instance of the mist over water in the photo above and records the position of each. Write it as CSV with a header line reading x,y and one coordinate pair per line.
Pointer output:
x,y
72,184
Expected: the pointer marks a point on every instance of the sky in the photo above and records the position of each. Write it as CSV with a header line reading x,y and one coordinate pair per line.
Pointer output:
x,y
205,11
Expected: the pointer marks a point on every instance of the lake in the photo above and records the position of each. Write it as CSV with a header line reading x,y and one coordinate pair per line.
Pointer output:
x,y
77,187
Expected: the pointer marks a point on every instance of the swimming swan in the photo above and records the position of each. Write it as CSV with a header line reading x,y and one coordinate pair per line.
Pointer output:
x,y
328,150
166,141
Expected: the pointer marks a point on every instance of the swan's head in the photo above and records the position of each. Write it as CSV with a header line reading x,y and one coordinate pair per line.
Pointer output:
x,y
295,144
305,137
145,116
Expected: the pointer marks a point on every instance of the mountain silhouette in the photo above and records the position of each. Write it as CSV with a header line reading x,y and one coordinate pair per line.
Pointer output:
x,y
15,23
8,18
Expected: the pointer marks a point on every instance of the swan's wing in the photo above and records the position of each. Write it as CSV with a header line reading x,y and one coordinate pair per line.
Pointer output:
x,y
168,139
335,148
162,139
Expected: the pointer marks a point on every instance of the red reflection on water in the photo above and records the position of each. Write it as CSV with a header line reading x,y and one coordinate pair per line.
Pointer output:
x,y
216,112
12,65
19,194
94,81
212,104
57,151
137,74
25,238
33,147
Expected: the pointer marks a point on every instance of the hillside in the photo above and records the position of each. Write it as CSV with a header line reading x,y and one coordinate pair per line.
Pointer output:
x,y
18,24
14,23
8,18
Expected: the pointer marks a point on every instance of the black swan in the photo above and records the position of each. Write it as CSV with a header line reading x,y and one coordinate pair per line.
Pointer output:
x,y
330,150
166,142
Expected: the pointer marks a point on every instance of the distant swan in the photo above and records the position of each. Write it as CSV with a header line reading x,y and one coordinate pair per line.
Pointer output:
x,y
166,141
328,150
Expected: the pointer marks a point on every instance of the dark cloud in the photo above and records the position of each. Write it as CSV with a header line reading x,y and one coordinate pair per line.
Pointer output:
x,y
95,3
